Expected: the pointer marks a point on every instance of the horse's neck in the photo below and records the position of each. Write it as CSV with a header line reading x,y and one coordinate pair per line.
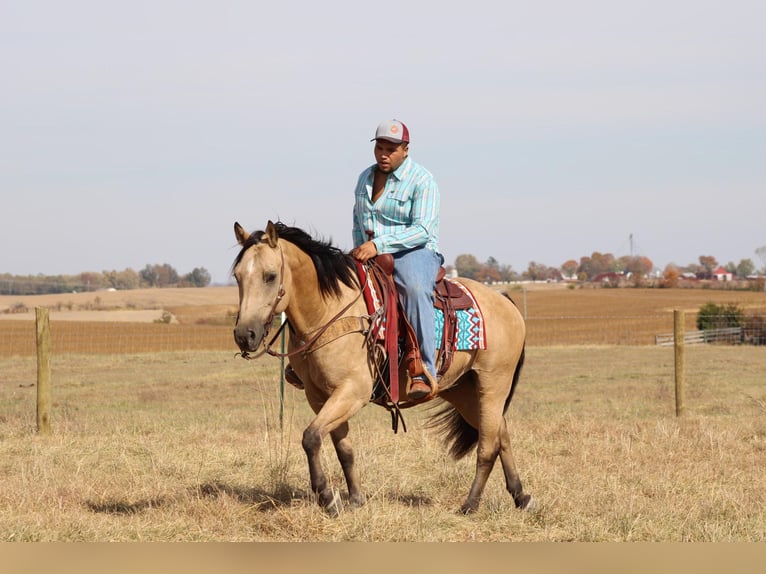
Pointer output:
x,y
307,310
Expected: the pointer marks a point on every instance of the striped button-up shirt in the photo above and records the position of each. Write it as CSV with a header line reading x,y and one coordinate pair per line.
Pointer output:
x,y
406,215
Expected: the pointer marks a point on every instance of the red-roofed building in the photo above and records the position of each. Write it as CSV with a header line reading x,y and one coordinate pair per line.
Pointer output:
x,y
721,274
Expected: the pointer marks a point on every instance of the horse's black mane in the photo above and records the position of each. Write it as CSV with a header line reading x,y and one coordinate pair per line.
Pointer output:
x,y
332,265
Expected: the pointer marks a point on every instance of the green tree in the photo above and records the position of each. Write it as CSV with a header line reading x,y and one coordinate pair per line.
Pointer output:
x,y
745,268
199,277
467,266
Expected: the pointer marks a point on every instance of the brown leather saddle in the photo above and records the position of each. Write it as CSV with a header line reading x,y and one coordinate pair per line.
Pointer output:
x,y
448,297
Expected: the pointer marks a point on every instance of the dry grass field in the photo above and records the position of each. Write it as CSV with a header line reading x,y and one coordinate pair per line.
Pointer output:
x,y
187,445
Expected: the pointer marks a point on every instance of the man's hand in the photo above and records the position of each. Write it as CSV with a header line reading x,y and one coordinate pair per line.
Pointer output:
x,y
365,251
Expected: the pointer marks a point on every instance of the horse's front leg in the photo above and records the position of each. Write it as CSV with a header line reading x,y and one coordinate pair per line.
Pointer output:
x,y
345,454
333,415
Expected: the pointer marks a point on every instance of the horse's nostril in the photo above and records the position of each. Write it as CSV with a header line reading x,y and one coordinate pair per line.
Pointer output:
x,y
251,334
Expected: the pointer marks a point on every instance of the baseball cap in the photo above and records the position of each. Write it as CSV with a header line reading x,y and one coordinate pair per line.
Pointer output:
x,y
393,131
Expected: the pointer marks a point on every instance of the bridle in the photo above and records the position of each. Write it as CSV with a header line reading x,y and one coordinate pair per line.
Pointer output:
x,y
273,313
270,321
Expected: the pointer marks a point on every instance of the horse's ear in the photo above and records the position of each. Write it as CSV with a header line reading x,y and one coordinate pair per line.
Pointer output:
x,y
271,234
240,233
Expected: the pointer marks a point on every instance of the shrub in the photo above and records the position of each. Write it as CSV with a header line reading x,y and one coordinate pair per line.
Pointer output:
x,y
713,316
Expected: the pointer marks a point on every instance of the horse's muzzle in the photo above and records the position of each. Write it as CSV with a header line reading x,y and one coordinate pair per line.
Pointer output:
x,y
247,339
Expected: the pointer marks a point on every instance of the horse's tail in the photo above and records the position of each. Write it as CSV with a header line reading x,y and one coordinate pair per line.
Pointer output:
x,y
519,364
458,434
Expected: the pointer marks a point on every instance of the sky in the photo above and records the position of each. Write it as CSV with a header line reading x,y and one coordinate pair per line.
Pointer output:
x,y
135,133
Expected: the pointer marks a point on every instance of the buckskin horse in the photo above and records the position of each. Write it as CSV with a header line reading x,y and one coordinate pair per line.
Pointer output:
x,y
284,269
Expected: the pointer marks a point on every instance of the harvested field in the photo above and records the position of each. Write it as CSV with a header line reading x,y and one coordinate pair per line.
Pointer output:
x,y
587,316
202,318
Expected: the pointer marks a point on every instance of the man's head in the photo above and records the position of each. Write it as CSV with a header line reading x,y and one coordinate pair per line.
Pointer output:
x,y
392,139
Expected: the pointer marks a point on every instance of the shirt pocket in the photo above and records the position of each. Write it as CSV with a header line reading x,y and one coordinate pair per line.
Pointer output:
x,y
398,206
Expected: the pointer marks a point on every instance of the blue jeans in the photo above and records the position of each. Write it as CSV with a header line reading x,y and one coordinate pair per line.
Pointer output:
x,y
415,277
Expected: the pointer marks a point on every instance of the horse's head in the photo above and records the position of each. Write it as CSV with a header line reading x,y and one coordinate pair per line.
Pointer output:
x,y
260,273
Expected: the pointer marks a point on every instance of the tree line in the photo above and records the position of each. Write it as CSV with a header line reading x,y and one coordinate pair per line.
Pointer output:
x,y
590,268
153,275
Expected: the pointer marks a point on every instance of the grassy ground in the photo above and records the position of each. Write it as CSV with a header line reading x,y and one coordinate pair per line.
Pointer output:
x,y
188,446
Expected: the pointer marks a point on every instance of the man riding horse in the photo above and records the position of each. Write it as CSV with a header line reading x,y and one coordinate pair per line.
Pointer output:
x,y
396,210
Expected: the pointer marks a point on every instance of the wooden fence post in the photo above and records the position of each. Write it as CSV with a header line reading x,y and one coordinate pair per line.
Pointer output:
x,y
43,328
679,336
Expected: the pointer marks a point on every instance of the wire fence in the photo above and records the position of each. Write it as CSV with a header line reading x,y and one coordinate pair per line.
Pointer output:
x,y
17,337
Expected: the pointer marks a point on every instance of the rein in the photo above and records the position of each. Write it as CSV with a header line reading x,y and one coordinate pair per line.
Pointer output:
x,y
308,344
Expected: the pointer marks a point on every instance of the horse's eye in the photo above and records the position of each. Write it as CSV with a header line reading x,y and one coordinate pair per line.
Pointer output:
x,y
269,277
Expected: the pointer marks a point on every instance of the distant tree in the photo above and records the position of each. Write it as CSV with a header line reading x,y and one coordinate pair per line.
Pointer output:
x,y
150,276
671,276
122,280
638,266
489,272
745,268
507,273
159,275
595,264
467,266
569,268
92,281
708,264
199,277
167,275
540,272
696,269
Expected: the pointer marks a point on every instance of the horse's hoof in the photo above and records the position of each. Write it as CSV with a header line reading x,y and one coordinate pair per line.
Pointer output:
x,y
468,508
526,502
331,502
357,501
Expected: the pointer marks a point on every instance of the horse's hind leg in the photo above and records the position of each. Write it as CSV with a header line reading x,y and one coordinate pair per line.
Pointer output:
x,y
512,480
345,454
486,454
485,412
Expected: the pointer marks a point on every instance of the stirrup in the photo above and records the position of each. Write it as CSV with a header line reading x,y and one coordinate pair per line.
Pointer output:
x,y
292,377
419,389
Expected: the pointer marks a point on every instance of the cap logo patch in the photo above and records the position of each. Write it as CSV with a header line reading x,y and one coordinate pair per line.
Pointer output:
x,y
394,129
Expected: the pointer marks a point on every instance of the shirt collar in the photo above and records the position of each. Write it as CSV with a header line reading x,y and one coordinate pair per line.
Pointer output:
x,y
402,169
400,172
